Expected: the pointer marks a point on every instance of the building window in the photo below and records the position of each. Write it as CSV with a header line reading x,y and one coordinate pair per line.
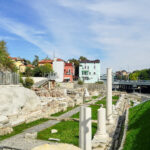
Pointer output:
x,y
94,66
94,73
89,73
84,72
88,67
69,72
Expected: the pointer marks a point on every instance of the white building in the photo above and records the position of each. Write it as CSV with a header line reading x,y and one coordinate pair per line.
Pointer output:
x,y
58,67
89,71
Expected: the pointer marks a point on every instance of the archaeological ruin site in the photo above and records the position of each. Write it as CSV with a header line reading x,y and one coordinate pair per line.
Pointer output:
x,y
67,116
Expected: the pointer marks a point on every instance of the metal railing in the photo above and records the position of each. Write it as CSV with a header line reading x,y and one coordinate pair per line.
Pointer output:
x,y
9,78
131,82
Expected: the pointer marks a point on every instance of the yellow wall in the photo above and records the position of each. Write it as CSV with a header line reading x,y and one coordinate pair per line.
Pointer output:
x,y
22,68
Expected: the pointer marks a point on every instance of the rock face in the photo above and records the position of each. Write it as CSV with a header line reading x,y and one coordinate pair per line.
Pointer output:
x,y
15,99
56,147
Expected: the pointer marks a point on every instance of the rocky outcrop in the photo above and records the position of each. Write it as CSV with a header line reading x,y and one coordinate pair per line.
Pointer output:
x,y
56,147
17,105
16,99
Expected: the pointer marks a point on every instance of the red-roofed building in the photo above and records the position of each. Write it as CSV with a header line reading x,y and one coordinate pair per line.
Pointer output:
x,y
45,61
69,72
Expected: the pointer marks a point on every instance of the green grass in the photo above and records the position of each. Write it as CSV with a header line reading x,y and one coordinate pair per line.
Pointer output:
x,y
95,108
103,101
138,134
94,112
68,132
115,97
88,101
95,97
20,128
62,112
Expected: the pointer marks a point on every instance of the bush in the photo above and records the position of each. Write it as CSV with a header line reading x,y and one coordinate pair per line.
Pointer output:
x,y
21,80
28,82
80,82
99,82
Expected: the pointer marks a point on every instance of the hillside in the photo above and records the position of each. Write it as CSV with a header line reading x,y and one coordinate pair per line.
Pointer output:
x,y
138,134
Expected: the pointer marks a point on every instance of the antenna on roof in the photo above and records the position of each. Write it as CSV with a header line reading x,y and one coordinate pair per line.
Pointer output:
x,y
53,54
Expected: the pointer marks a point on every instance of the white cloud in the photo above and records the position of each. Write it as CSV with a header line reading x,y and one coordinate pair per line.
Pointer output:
x,y
119,29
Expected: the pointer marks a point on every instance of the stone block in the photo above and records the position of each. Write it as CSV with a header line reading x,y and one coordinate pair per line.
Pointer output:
x,y
7,130
54,139
54,131
31,135
3,119
17,122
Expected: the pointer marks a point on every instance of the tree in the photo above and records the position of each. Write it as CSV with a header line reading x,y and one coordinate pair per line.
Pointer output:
x,y
40,71
45,69
5,62
28,71
37,72
82,58
35,61
26,62
134,76
76,64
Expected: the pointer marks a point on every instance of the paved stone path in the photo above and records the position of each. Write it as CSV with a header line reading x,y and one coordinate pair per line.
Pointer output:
x,y
19,142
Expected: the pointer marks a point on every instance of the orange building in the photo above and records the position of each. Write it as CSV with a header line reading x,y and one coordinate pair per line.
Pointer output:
x,y
69,72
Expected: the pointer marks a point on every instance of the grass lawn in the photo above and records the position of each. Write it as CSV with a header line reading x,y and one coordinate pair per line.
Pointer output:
x,y
103,101
95,97
94,112
20,128
95,107
68,132
62,112
138,134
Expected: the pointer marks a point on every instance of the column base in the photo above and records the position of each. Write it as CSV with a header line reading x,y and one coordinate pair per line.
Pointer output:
x,y
100,139
110,120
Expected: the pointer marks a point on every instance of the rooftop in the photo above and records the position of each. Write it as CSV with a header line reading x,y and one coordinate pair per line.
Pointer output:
x,y
90,61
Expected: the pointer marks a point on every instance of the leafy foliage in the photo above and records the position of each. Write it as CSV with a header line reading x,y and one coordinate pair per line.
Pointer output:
x,y
80,82
5,62
28,82
35,61
40,71
76,64
140,75
28,71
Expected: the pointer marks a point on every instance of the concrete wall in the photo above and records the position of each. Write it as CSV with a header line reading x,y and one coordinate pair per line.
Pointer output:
x,y
36,79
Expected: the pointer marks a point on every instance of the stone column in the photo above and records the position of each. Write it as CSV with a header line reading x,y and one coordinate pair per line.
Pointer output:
x,y
49,85
101,136
109,96
85,132
65,92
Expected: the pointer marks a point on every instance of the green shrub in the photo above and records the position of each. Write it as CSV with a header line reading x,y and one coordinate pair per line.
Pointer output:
x,y
80,82
99,82
28,82
21,80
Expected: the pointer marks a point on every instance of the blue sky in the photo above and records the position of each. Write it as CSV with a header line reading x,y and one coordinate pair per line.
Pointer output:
x,y
115,31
